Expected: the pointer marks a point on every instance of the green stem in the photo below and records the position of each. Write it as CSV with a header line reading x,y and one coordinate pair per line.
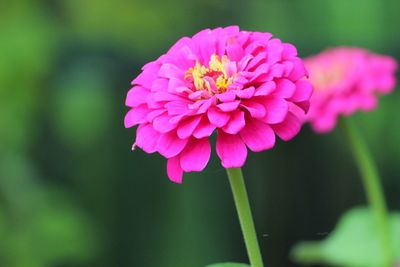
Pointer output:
x,y
372,185
246,220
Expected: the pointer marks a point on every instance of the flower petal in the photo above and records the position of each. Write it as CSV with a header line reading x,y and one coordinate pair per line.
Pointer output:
x,y
299,71
303,92
170,145
227,96
258,136
236,122
170,71
147,138
148,75
265,89
284,88
235,52
246,93
177,107
162,123
289,128
289,51
174,170
255,109
136,116
217,117
231,150
196,155
186,128
136,96
204,129
229,106
276,110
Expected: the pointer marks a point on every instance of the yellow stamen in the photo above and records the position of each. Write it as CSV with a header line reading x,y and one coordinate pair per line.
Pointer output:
x,y
217,65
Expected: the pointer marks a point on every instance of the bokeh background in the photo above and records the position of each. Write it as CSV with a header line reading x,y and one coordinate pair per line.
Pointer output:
x,y
72,193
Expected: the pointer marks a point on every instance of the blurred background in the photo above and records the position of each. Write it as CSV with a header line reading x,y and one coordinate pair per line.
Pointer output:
x,y
72,193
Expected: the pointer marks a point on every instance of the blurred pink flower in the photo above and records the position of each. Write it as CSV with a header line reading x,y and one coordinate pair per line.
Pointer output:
x,y
345,80
243,84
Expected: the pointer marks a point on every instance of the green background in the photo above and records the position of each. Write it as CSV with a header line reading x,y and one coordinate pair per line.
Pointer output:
x,y
72,193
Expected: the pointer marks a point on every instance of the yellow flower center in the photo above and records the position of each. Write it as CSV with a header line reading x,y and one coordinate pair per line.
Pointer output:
x,y
324,78
213,78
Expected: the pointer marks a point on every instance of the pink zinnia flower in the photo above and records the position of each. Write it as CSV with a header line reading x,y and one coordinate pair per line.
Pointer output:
x,y
245,85
346,80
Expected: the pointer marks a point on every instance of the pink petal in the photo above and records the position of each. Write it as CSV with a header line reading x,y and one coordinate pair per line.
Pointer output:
x,y
235,52
289,128
258,136
275,50
236,123
204,105
368,102
246,93
147,138
136,116
231,68
255,109
177,107
289,51
298,71
303,92
304,105
217,117
170,145
256,61
288,68
148,75
174,170
170,71
136,96
231,150
229,106
277,70
174,83
284,88
204,129
261,73
186,128
155,113
159,85
276,110
196,155
265,89
177,118
324,124
206,42
227,96
242,65
165,96
197,94
162,123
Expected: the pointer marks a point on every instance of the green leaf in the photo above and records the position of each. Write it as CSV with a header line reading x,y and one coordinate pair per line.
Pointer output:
x,y
228,264
354,242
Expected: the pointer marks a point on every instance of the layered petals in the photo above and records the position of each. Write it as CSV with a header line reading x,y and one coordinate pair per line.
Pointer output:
x,y
242,85
346,80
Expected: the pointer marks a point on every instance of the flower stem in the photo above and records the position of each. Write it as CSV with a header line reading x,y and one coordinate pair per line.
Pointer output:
x,y
246,220
372,185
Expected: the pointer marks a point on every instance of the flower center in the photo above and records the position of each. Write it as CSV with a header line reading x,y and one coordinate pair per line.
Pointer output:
x,y
214,78
324,78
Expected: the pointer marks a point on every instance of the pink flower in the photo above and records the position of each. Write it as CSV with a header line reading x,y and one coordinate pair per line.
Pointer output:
x,y
243,85
346,80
